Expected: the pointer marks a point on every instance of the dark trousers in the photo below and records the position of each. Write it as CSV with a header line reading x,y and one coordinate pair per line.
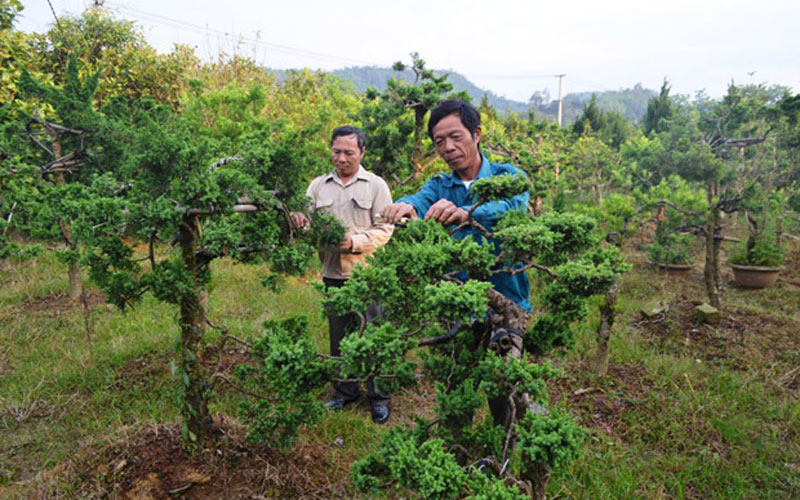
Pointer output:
x,y
338,327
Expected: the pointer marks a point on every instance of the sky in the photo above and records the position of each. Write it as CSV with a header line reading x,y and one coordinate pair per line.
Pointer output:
x,y
511,47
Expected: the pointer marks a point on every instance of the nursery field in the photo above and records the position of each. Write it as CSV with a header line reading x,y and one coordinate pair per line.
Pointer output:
x,y
162,314
687,410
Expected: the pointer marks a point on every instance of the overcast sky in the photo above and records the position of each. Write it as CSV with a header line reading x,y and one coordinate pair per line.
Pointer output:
x,y
511,47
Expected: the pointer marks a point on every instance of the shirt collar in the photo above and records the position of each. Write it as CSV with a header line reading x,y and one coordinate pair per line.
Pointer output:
x,y
452,179
361,174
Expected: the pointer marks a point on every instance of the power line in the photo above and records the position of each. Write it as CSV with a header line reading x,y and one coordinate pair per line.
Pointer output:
x,y
176,23
58,24
510,77
286,49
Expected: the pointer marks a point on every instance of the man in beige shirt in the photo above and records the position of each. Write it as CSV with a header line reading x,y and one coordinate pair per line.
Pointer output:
x,y
355,197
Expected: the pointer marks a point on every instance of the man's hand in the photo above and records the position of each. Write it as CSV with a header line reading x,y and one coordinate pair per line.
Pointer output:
x,y
347,243
446,212
299,220
396,211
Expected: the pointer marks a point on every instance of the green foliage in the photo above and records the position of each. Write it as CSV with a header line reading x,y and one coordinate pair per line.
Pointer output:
x,y
118,50
498,376
671,248
762,251
394,121
411,462
589,166
552,439
378,350
659,111
451,302
499,490
612,127
499,187
16,252
286,365
551,239
73,102
16,56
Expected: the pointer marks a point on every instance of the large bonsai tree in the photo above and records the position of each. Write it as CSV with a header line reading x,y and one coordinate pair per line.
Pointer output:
x,y
469,340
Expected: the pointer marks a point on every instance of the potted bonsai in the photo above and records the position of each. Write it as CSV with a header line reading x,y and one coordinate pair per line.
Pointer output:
x,y
670,251
757,263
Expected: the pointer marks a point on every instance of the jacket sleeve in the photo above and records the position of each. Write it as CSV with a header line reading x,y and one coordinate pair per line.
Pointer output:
x,y
379,232
429,194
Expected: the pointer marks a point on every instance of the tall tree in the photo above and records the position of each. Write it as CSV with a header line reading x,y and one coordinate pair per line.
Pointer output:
x,y
65,129
659,111
395,122
592,118
117,48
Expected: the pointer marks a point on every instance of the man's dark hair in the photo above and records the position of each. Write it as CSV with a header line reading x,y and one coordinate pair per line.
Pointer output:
x,y
470,117
350,130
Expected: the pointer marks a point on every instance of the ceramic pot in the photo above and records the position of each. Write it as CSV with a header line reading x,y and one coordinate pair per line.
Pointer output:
x,y
677,270
754,276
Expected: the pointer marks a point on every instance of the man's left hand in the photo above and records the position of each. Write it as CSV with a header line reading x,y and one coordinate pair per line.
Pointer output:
x,y
446,212
347,244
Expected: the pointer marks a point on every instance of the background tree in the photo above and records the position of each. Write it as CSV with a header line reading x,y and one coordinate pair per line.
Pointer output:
x,y
65,131
118,50
709,144
659,111
394,121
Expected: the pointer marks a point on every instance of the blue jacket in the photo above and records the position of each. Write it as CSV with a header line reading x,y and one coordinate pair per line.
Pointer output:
x,y
449,187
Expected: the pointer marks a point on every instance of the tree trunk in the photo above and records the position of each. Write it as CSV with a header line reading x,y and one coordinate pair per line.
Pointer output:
x,y
75,278
75,281
537,477
534,474
197,420
607,316
419,126
711,269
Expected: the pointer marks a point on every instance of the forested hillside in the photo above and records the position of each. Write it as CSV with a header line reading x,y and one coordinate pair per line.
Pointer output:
x,y
631,103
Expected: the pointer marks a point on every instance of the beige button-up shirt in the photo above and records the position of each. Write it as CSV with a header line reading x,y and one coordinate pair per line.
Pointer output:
x,y
357,205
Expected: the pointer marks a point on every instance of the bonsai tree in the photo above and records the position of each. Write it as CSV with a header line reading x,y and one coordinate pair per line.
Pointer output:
x,y
468,338
762,246
707,145
65,147
671,248
177,184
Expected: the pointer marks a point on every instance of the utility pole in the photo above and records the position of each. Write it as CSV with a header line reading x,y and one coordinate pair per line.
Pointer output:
x,y
560,102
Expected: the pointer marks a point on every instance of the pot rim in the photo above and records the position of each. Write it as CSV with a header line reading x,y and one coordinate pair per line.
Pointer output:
x,y
743,267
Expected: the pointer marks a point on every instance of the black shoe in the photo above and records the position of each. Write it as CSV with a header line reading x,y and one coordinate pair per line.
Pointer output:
x,y
380,414
337,403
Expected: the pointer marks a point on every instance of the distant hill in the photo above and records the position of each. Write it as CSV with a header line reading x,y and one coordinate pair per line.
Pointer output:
x,y
631,103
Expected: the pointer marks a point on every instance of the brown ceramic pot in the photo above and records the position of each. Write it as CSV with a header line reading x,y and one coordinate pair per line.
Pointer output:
x,y
754,276
677,270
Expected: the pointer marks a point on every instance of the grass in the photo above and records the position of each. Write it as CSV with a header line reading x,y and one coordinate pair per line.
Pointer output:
x,y
686,427
686,411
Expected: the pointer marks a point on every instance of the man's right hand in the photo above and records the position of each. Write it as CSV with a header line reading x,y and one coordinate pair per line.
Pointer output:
x,y
396,211
299,220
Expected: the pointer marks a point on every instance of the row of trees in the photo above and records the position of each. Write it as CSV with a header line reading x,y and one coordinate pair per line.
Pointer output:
x,y
105,142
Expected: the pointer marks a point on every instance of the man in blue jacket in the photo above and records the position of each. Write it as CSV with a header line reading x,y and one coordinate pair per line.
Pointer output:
x,y
455,128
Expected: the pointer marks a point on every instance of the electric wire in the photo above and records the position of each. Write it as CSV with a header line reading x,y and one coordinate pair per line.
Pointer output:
x,y
286,49
176,23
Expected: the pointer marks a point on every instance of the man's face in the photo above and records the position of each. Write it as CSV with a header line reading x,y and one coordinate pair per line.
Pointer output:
x,y
457,147
346,155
